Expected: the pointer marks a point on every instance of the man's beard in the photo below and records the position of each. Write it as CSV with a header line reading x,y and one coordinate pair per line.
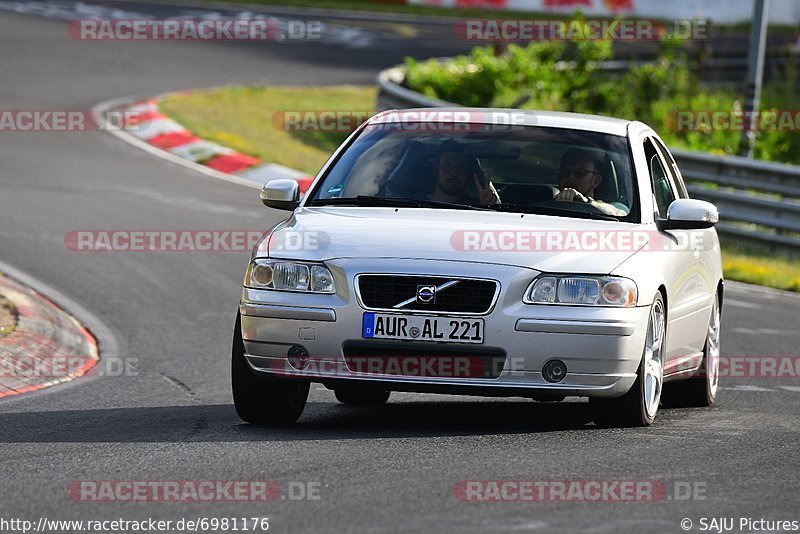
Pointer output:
x,y
452,187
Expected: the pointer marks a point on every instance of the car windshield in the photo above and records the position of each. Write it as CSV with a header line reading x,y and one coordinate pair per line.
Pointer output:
x,y
527,169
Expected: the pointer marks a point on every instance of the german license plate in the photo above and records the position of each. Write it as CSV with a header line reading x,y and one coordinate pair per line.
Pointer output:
x,y
422,328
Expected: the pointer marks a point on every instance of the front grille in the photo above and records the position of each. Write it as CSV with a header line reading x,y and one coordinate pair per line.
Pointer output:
x,y
385,291
424,362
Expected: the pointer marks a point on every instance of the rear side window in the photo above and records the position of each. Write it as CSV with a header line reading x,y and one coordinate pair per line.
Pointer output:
x,y
659,180
677,179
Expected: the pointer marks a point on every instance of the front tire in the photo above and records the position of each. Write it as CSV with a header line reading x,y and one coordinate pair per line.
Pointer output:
x,y
638,407
263,400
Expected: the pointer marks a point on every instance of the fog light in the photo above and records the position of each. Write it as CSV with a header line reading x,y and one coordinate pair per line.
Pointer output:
x,y
297,357
554,371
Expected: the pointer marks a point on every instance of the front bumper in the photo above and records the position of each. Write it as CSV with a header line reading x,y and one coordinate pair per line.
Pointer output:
x,y
601,347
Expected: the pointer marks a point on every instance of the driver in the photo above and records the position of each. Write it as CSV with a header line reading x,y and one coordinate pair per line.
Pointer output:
x,y
453,171
579,176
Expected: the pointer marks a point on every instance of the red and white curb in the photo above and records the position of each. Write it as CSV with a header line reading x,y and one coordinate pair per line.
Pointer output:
x,y
146,126
47,347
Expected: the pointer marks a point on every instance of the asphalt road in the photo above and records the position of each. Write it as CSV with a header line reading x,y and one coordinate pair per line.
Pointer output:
x,y
384,469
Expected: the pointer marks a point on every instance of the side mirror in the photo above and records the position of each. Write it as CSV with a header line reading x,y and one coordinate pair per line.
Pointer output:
x,y
690,214
281,194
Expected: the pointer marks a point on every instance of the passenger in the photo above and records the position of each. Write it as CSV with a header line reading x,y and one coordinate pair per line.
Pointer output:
x,y
453,172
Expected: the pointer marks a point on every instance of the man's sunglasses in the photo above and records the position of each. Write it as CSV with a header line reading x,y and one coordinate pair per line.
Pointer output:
x,y
576,172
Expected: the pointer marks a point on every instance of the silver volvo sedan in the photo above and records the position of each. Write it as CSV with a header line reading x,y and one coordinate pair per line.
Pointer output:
x,y
485,252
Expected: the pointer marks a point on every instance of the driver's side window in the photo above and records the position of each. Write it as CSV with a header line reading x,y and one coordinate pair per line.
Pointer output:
x,y
659,181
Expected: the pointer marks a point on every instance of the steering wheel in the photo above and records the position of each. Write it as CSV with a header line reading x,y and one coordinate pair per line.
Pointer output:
x,y
584,207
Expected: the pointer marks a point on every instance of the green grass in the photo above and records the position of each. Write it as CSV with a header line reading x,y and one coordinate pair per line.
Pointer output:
x,y
8,317
248,119
749,266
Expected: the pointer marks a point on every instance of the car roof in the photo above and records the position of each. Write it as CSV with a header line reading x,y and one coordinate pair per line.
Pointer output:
x,y
506,116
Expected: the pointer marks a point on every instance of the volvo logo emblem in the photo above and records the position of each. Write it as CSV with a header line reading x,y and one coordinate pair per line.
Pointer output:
x,y
426,294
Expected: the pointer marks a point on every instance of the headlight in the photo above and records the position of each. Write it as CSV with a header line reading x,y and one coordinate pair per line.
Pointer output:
x,y
582,290
282,275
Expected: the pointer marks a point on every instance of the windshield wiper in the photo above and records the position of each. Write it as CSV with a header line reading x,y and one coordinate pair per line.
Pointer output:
x,y
552,210
370,201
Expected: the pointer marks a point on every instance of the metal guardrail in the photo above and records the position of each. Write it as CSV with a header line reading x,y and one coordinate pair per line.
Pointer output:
x,y
759,201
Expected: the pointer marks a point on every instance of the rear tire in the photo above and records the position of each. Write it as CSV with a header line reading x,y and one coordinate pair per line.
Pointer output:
x,y
263,400
638,407
361,396
700,390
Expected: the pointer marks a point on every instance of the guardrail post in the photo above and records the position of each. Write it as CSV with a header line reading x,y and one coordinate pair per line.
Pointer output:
x,y
755,74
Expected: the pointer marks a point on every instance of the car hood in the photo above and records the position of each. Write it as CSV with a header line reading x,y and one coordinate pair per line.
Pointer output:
x,y
325,233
